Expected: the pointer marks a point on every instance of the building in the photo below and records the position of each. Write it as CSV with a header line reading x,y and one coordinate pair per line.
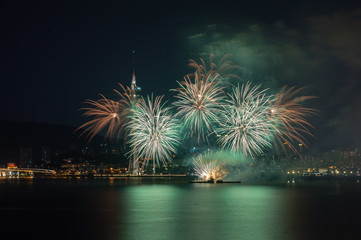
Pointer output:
x,y
26,157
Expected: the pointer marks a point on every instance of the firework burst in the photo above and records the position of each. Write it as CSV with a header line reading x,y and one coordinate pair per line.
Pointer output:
x,y
209,169
107,114
289,119
244,126
198,104
153,131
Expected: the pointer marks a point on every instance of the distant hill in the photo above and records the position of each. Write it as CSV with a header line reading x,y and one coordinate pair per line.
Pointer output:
x,y
32,133
16,135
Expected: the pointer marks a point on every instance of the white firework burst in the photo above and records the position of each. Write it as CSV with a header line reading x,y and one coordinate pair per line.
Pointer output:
x,y
153,131
198,104
245,125
207,168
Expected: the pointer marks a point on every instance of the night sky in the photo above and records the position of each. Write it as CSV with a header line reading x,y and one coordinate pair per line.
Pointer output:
x,y
56,55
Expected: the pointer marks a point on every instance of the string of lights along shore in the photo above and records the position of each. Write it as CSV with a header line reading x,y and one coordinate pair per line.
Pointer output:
x,y
212,104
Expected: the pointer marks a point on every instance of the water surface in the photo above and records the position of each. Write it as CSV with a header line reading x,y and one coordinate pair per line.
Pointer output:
x,y
110,209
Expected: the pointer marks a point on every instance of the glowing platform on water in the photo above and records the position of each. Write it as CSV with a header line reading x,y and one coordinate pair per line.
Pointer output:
x,y
211,181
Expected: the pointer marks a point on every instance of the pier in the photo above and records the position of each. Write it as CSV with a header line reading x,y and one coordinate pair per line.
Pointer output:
x,y
24,172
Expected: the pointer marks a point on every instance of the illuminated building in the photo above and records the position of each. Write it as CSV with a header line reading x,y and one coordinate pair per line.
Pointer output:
x,y
135,90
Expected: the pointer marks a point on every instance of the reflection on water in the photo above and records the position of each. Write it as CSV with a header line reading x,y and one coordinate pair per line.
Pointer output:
x,y
202,211
173,209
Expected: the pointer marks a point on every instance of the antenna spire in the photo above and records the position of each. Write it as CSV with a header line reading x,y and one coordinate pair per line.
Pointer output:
x,y
134,83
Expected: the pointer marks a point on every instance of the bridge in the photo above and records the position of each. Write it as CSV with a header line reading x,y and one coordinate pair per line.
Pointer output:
x,y
24,172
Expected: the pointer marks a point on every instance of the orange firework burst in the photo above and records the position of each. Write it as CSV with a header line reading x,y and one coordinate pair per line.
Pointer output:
x,y
289,118
107,114
223,68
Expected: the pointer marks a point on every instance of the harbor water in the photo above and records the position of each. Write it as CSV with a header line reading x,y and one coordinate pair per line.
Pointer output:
x,y
122,208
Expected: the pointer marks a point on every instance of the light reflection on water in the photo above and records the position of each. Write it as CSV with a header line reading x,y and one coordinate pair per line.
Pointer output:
x,y
203,211
147,209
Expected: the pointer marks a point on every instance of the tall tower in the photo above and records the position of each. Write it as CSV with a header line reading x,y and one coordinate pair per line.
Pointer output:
x,y
134,82
135,90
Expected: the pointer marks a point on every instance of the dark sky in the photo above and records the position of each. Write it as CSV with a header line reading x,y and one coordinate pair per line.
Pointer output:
x,y
55,55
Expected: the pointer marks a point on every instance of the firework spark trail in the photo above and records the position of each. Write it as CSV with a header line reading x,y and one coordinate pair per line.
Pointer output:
x,y
198,104
108,114
209,169
153,131
289,119
245,126
223,68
